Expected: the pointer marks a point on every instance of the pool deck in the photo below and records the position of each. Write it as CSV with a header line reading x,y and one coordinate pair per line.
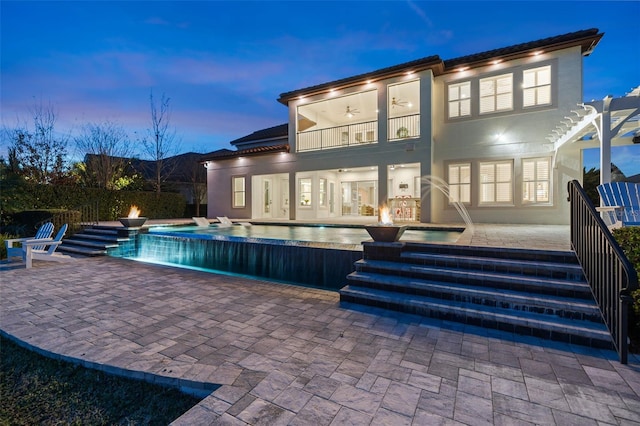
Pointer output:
x,y
292,355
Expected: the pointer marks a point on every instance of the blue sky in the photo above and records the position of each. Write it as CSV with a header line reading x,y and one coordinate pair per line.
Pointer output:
x,y
224,64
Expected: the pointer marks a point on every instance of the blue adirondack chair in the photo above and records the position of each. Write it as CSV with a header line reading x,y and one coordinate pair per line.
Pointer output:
x,y
620,204
16,250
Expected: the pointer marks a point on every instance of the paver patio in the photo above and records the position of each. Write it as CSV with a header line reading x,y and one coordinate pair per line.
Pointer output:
x,y
293,355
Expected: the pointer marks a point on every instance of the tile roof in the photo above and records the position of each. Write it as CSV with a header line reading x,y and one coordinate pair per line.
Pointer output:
x,y
586,38
279,131
224,154
417,65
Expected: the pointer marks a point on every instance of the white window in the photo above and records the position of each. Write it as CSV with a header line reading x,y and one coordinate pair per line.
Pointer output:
x,y
496,182
460,183
536,180
239,192
460,99
536,86
323,193
305,192
496,93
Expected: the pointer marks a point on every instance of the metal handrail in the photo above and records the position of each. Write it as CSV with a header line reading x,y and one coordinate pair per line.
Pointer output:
x,y
611,276
338,137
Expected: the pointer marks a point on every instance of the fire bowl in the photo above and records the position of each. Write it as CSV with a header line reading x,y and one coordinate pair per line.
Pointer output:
x,y
132,222
385,233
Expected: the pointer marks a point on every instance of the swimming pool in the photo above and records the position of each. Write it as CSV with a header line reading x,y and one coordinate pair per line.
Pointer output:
x,y
316,256
333,234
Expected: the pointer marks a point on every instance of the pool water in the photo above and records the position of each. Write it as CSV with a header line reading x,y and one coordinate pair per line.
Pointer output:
x,y
316,256
318,234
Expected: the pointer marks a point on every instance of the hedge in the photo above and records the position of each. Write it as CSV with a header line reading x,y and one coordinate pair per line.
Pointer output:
x,y
111,204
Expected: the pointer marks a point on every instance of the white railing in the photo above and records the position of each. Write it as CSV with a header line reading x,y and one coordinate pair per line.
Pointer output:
x,y
338,137
404,127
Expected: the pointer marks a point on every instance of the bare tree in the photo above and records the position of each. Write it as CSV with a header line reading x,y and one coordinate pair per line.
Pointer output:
x,y
162,141
39,153
107,151
198,180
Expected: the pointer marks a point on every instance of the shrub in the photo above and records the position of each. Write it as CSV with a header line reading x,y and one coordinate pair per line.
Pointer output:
x,y
629,240
3,247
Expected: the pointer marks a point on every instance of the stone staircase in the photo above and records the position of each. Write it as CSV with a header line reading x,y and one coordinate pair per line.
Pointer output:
x,y
531,292
93,241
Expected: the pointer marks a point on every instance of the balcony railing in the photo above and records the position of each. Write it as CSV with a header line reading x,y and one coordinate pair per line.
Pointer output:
x,y
610,274
404,127
338,137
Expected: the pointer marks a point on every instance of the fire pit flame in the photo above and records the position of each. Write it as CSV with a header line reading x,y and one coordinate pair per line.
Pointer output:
x,y
385,216
134,212
385,231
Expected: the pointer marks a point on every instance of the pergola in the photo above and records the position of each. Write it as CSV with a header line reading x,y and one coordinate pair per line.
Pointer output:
x,y
606,123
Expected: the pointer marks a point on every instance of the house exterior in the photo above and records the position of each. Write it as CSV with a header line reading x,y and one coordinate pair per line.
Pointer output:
x,y
418,137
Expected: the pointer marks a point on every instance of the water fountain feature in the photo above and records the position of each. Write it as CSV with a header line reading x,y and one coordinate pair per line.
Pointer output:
x,y
440,184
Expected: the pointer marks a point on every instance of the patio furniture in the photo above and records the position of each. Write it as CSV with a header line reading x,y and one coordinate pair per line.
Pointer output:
x,y
225,221
202,222
32,251
14,250
620,204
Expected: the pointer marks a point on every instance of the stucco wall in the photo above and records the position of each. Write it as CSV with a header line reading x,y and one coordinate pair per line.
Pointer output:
x,y
511,135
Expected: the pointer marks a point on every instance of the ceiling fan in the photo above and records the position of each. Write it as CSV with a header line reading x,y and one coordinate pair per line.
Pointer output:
x,y
351,111
398,103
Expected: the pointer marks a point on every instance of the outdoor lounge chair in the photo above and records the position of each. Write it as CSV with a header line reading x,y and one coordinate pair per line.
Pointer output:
x,y
45,231
225,221
202,222
620,204
31,250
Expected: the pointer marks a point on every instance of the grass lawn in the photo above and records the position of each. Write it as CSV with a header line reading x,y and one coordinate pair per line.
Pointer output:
x,y
35,390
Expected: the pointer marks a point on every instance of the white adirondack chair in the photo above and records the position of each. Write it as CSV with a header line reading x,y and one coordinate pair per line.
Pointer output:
x,y
32,249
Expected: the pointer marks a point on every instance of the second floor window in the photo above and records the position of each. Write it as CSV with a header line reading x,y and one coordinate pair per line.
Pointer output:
x,y
536,86
460,99
496,93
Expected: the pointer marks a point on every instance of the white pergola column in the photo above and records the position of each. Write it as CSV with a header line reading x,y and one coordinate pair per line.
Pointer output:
x,y
605,141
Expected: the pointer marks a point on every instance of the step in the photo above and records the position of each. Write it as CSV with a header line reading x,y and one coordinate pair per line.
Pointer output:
x,y
579,309
112,238
491,264
85,251
568,288
91,244
554,256
527,323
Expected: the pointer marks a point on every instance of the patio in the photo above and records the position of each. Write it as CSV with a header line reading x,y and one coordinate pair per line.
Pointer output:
x,y
292,355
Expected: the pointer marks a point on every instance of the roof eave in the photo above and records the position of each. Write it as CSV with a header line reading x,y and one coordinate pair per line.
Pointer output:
x,y
251,152
432,62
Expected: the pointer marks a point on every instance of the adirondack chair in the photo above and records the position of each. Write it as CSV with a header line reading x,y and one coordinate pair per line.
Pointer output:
x,y
32,250
620,204
14,250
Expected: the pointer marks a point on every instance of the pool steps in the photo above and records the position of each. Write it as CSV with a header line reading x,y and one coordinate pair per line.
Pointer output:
x,y
532,292
93,241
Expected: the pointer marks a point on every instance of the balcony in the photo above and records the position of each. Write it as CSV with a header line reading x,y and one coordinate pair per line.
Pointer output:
x,y
405,127
338,137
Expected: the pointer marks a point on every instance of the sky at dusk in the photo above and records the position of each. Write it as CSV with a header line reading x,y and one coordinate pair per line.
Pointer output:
x,y
224,64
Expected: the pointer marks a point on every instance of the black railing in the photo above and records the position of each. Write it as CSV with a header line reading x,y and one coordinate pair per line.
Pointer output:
x,y
610,274
338,137
407,126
